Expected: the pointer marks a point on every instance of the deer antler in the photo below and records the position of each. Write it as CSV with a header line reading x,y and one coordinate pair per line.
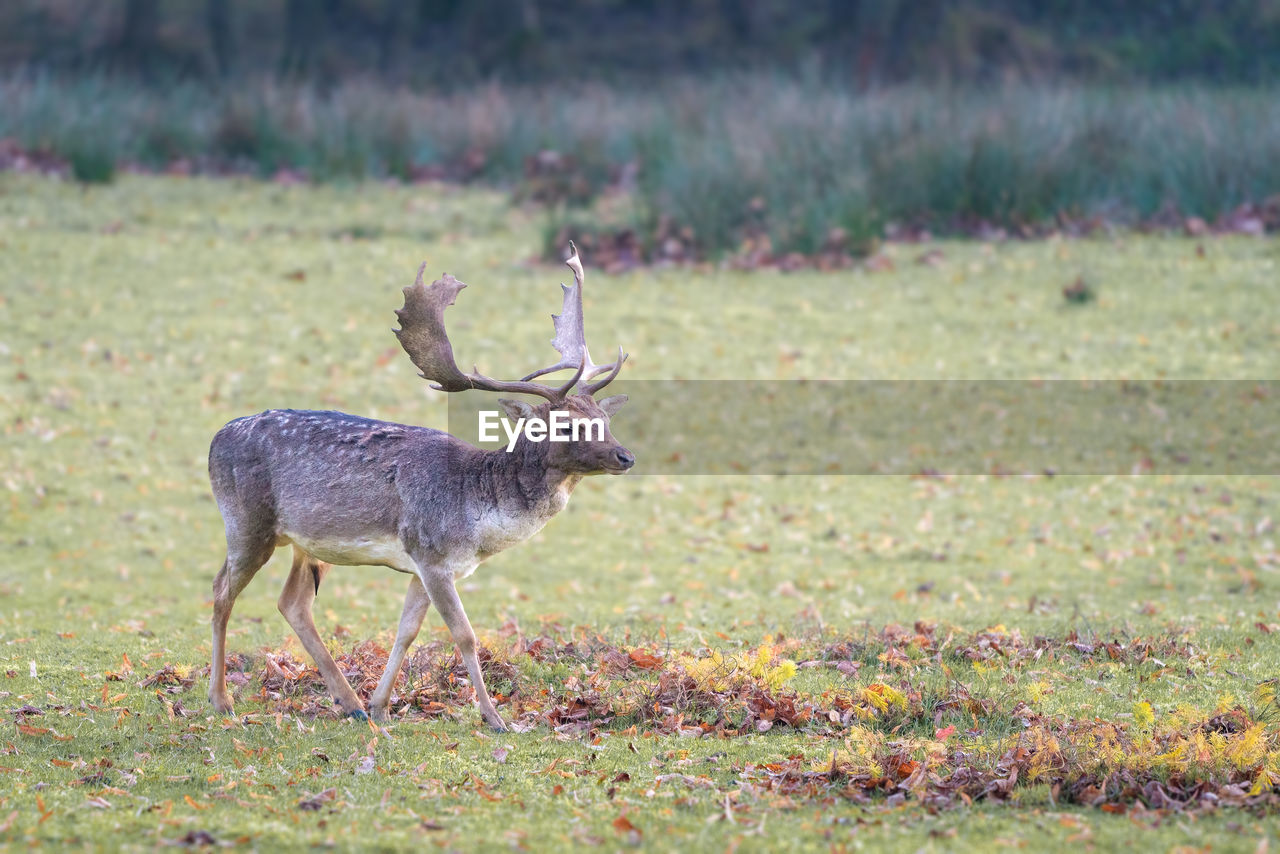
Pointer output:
x,y
423,337
570,339
592,388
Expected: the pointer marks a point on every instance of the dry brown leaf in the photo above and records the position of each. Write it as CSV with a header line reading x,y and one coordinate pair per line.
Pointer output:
x,y
646,660
622,824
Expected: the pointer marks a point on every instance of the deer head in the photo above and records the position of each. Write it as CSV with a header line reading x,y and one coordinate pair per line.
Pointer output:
x,y
422,335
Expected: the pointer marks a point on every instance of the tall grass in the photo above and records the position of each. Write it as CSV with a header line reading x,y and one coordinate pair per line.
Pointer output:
x,y
725,158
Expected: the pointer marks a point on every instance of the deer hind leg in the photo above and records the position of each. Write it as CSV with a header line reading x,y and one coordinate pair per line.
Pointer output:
x,y
242,564
416,603
444,595
295,604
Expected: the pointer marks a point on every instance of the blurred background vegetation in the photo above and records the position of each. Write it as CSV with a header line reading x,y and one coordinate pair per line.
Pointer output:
x,y
757,128
432,42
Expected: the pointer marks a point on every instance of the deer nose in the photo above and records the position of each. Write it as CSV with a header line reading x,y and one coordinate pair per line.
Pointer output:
x,y
625,457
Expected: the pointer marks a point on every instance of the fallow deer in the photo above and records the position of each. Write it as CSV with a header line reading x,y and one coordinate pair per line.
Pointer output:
x,y
347,490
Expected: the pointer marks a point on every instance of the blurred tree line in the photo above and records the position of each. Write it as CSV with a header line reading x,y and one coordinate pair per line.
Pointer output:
x,y
459,41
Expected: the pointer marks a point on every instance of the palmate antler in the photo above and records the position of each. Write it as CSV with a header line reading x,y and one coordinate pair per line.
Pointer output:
x,y
423,337
570,339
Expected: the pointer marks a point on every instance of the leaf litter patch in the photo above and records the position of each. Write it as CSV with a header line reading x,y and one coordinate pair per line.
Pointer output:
x,y
903,734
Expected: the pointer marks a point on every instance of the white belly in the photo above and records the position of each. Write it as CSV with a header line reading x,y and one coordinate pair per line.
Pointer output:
x,y
357,551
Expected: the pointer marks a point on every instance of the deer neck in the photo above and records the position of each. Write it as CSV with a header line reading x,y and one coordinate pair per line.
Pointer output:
x,y
523,481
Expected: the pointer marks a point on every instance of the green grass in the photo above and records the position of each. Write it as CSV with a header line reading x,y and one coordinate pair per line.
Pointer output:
x,y
136,318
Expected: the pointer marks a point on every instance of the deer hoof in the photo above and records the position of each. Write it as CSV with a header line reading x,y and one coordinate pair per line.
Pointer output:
x,y
358,714
380,715
496,724
222,703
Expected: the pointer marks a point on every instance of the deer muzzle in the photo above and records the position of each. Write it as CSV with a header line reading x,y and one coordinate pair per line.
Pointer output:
x,y
623,460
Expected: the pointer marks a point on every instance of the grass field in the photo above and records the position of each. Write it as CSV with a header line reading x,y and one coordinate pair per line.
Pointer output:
x,y
694,662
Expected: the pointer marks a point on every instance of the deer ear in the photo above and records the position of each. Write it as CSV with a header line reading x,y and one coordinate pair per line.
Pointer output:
x,y
516,409
610,405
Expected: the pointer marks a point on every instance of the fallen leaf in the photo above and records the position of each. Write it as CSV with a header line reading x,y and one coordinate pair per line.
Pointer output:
x,y
198,837
646,660
622,824
315,802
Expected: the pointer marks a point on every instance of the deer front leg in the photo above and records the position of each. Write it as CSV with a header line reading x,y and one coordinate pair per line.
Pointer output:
x,y
295,604
416,603
444,596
